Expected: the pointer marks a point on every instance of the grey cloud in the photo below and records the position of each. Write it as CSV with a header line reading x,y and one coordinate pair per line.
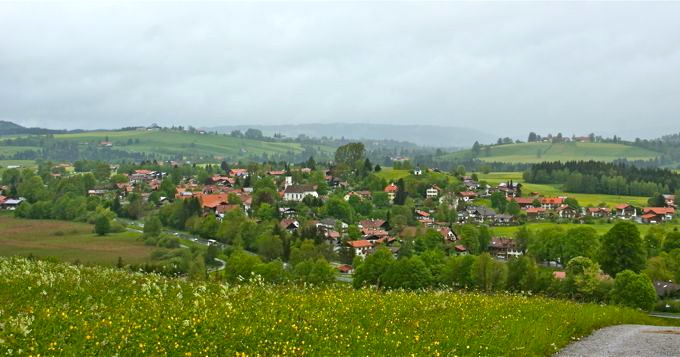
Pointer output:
x,y
507,67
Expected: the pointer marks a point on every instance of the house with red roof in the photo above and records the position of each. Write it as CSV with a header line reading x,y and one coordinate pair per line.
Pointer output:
x,y
552,202
467,196
223,180
447,234
362,248
289,224
276,173
536,213
598,212
657,214
626,211
345,269
460,249
523,202
374,224
238,172
391,191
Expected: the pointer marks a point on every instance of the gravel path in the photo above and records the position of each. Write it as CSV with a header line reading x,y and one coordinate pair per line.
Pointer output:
x,y
628,340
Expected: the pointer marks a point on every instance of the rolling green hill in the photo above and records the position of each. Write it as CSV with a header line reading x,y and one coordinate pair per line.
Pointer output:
x,y
167,144
60,309
174,143
539,152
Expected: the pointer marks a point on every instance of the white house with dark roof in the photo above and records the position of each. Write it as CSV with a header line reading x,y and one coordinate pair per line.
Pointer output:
x,y
298,192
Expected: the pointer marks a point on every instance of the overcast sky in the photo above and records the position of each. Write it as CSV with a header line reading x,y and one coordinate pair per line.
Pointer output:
x,y
504,68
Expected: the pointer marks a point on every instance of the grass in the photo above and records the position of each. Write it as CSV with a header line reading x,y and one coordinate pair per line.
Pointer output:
x,y
69,241
601,228
174,143
539,152
392,175
58,309
549,190
22,163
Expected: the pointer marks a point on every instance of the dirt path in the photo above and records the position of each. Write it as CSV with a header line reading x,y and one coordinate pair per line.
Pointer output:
x,y
628,340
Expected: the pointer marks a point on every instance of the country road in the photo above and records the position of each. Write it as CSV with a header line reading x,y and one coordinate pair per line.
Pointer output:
x,y
627,340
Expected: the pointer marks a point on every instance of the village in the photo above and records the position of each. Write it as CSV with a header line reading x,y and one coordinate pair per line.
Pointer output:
x,y
442,207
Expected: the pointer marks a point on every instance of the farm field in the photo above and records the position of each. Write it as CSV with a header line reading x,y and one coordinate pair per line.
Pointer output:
x,y
69,241
137,314
539,152
173,143
22,163
584,199
601,228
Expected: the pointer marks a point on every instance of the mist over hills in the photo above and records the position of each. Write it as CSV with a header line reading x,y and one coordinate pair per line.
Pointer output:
x,y
424,135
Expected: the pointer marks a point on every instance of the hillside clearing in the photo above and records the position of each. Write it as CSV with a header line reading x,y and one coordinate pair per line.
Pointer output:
x,y
539,152
549,190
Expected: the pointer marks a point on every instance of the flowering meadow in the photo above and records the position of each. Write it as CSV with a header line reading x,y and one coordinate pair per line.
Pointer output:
x,y
60,309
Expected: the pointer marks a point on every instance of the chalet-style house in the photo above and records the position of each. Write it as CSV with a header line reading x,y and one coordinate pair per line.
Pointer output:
x,y
565,211
362,248
362,195
626,211
467,196
598,212
276,173
471,184
238,173
657,214
504,220
374,224
433,192
211,202
523,202
331,224
480,214
448,234
552,202
504,248
460,249
139,176
290,225
391,191
669,200
296,193
536,213
424,217
287,212
11,204
223,180
510,189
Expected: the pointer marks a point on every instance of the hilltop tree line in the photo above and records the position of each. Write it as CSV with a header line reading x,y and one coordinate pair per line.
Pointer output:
x,y
604,178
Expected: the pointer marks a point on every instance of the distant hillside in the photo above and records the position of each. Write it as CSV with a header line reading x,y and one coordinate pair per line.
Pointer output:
x,y
424,135
9,128
539,152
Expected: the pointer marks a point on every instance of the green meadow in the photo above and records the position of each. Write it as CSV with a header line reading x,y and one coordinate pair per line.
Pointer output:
x,y
173,143
548,190
539,152
69,241
60,309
